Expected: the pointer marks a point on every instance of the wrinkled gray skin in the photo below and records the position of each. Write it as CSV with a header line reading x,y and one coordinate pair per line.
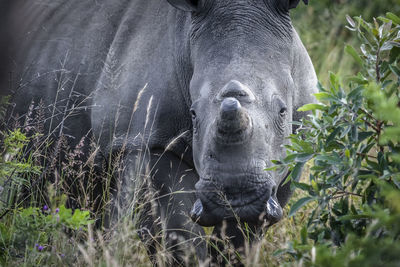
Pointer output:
x,y
224,76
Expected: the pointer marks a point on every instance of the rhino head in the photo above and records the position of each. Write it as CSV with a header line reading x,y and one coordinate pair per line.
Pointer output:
x,y
250,72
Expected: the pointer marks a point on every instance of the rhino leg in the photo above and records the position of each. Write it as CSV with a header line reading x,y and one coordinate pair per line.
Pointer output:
x,y
162,185
174,181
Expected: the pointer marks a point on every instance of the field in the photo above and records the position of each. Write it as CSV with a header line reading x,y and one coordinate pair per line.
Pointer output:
x,y
37,228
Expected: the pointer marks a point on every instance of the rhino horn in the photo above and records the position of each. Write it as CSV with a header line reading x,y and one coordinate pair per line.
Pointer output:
x,y
232,118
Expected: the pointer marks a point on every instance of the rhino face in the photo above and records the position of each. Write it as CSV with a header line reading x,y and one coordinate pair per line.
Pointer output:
x,y
238,127
242,92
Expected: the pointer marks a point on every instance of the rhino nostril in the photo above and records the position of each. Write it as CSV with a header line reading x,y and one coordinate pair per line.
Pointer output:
x,y
234,93
273,191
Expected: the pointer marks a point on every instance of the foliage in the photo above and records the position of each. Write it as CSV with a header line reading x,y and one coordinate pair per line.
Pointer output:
x,y
41,169
30,234
352,140
321,26
13,167
33,232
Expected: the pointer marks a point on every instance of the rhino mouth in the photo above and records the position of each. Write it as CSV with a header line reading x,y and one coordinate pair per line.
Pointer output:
x,y
248,198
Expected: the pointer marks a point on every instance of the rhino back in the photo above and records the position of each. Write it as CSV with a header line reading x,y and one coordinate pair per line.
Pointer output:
x,y
5,35
95,56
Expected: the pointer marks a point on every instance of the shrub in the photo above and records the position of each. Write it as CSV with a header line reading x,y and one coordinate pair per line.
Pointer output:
x,y
351,142
32,235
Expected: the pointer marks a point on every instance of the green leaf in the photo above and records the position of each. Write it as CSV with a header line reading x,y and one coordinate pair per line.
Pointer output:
x,y
333,134
303,235
302,186
303,157
334,82
323,96
298,157
383,19
300,203
354,133
352,52
358,80
393,17
394,54
309,107
395,70
314,185
345,131
290,158
330,159
386,46
364,135
355,94
350,21
301,145
296,172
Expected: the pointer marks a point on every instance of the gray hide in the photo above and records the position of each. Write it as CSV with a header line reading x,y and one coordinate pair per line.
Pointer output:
x,y
197,94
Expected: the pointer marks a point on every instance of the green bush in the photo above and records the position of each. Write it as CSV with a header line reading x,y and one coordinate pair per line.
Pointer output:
x,y
352,144
32,235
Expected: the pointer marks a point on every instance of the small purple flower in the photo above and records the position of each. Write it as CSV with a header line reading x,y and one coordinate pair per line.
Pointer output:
x,y
62,255
45,208
36,245
40,248
57,210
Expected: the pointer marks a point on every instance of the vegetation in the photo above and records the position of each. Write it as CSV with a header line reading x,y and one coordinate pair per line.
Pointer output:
x,y
345,211
352,143
322,28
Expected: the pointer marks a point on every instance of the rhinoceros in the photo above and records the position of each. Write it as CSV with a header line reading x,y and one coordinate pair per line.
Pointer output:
x,y
200,92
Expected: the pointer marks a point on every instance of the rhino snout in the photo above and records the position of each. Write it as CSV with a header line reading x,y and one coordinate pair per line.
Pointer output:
x,y
250,201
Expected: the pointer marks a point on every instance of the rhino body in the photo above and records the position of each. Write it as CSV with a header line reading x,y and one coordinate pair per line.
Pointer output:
x,y
200,93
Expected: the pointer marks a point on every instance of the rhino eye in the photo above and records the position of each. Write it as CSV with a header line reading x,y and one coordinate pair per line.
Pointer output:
x,y
193,113
283,111
195,122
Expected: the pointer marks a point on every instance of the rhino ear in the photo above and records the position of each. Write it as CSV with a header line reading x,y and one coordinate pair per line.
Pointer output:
x,y
185,5
294,3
